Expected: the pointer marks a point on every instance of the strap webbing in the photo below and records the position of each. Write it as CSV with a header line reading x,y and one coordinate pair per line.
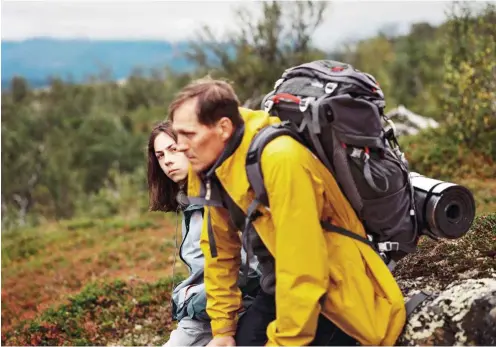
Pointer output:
x,y
250,217
211,238
205,202
253,158
424,208
307,120
210,232
370,180
415,301
331,227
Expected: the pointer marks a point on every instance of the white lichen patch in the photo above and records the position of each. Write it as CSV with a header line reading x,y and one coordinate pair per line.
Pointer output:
x,y
412,287
450,306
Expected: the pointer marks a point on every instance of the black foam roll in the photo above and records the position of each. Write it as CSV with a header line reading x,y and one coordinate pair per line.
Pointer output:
x,y
444,209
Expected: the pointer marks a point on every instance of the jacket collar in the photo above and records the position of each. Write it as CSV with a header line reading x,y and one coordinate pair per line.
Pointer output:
x,y
232,169
230,148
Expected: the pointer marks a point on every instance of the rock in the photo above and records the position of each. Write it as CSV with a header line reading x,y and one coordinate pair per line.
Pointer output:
x,y
408,122
469,274
254,103
462,314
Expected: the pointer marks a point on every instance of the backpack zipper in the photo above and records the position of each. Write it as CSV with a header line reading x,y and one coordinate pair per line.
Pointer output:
x,y
361,83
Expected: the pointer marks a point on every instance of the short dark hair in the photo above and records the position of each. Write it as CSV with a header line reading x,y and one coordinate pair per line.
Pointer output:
x,y
215,99
162,191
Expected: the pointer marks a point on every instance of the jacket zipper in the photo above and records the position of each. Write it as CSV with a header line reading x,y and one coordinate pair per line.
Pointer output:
x,y
181,247
209,190
207,197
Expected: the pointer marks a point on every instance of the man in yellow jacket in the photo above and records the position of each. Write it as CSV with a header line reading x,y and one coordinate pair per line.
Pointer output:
x,y
329,288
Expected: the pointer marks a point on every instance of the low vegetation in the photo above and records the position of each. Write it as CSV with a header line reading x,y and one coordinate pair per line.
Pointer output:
x,y
84,263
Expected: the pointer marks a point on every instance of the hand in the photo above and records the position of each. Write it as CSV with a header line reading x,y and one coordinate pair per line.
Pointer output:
x,y
222,341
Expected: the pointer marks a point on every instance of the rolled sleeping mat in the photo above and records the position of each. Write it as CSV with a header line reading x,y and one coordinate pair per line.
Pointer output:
x,y
444,209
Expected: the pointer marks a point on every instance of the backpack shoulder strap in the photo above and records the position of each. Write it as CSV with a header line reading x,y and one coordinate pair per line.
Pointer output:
x,y
255,176
253,158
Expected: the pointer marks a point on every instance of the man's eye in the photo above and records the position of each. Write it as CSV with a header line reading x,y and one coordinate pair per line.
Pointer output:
x,y
173,149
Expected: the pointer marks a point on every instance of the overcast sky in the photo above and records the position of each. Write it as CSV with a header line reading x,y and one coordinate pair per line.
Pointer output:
x,y
178,20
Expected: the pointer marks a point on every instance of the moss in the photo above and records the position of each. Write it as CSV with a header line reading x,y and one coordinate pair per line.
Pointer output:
x,y
473,255
102,313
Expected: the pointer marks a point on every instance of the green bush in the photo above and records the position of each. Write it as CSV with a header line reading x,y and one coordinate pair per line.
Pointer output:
x,y
469,89
101,314
438,154
122,194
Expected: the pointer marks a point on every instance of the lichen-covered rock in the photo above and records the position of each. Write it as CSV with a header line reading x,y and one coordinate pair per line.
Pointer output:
x,y
462,314
461,274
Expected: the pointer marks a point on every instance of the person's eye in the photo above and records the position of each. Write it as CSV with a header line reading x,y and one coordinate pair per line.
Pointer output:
x,y
173,149
160,156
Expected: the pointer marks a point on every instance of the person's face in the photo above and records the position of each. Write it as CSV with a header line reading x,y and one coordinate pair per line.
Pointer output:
x,y
172,162
201,144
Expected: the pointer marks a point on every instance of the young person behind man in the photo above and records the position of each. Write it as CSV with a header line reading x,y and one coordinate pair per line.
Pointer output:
x,y
167,176
329,289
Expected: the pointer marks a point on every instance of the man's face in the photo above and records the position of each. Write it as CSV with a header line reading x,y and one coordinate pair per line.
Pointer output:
x,y
201,144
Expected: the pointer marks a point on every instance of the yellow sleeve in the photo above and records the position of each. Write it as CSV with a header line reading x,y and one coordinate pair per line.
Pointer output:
x,y
221,272
300,247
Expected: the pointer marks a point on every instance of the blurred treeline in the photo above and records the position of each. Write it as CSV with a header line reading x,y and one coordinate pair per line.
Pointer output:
x,y
79,150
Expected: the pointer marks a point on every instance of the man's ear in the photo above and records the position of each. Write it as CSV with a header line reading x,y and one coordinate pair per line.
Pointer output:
x,y
225,128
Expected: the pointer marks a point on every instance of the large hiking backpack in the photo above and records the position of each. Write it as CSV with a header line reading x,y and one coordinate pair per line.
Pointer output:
x,y
337,112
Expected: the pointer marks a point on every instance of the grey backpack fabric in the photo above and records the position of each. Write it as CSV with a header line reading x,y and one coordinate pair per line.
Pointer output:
x,y
337,112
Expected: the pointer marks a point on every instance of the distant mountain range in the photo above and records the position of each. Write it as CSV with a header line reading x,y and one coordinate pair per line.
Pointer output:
x,y
76,60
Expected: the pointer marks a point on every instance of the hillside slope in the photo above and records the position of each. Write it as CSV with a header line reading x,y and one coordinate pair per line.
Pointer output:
x,y
37,59
118,273
42,266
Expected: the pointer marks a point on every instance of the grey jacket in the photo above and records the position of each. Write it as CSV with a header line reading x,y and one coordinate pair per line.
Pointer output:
x,y
189,297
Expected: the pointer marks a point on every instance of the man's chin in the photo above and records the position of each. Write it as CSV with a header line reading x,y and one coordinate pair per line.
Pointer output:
x,y
197,168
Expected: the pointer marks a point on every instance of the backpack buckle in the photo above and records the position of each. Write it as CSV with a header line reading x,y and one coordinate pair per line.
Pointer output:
x,y
360,154
268,105
330,87
388,246
283,124
278,83
390,129
304,103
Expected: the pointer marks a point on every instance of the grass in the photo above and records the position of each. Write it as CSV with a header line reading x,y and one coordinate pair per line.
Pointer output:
x,y
436,154
103,313
134,310
42,266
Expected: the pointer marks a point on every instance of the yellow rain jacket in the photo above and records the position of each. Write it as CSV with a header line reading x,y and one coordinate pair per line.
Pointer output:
x,y
316,271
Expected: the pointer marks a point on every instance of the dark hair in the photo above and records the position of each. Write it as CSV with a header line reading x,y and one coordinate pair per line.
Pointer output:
x,y
215,99
162,191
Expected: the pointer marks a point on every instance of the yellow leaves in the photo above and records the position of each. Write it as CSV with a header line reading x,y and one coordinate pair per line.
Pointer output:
x,y
469,79
486,120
